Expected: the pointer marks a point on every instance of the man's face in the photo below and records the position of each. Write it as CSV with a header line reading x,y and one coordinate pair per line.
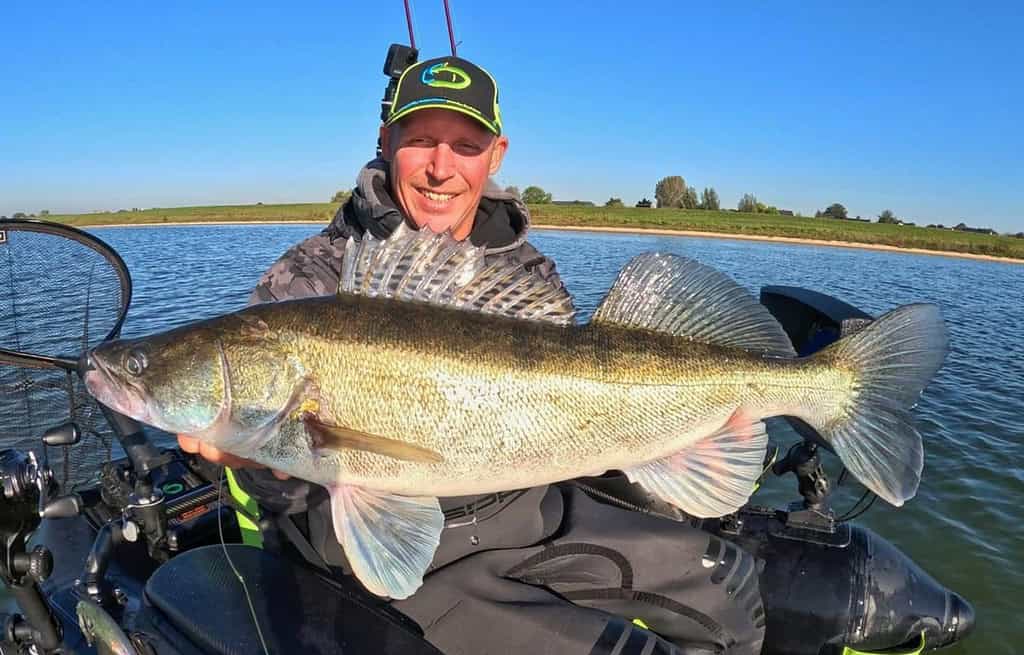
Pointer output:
x,y
440,161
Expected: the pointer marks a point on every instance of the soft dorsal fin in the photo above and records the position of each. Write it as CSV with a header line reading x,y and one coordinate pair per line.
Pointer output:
x,y
684,298
433,268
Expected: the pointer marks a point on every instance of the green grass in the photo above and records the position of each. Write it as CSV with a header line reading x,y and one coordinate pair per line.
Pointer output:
x,y
626,217
901,236
311,211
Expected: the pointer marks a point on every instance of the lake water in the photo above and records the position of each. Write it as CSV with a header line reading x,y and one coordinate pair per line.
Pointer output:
x,y
966,524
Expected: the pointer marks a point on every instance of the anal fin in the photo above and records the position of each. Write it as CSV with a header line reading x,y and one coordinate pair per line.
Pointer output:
x,y
389,540
713,477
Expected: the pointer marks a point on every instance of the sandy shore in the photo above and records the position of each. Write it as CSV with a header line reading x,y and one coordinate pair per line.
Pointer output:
x,y
632,230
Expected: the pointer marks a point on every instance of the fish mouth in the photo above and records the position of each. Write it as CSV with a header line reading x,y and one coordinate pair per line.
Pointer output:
x,y
120,395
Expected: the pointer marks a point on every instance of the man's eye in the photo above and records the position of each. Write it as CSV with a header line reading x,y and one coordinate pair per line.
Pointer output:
x,y
419,142
466,148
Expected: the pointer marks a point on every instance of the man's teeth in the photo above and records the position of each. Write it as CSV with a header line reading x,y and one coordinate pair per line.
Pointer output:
x,y
438,197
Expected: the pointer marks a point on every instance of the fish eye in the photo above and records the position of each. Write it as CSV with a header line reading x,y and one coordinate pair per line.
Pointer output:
x,y
135,362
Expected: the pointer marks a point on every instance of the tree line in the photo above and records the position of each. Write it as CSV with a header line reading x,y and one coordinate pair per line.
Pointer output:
x,y
674,193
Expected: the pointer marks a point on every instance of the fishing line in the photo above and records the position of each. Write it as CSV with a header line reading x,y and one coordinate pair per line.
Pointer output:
x,y
224,547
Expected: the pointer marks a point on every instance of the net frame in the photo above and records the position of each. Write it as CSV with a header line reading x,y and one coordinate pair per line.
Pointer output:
x,y
55,360
59,373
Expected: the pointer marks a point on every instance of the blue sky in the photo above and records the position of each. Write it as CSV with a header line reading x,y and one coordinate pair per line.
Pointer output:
x,y
914,107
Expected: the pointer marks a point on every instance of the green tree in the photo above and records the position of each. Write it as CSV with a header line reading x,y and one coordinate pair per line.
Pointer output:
x,y
341,196
513,190
709,199
669,191
19,215
835,210
45,212
888,217
690,198
534,195
614,202
748,203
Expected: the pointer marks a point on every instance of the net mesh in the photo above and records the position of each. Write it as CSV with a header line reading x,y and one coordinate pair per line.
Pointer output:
x,y
58,297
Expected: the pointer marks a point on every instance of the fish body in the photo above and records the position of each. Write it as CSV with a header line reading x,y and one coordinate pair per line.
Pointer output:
x,y
102,631
431,374
506,404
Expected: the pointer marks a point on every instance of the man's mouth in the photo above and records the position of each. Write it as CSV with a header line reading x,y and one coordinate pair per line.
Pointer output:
x,y
434,196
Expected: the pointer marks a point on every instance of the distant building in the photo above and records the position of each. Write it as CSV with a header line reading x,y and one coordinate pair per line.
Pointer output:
x,y
786,212
977,230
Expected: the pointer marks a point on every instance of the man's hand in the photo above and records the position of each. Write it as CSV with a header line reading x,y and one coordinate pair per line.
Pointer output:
x,y
206,451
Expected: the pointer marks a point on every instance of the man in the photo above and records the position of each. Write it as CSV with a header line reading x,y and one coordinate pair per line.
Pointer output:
x,y
539,570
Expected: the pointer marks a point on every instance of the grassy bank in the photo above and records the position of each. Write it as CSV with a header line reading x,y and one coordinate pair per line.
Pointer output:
x,y
765,225
310,211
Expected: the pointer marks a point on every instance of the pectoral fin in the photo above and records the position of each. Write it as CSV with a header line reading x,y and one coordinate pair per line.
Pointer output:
x,y
714,476
336,437
389,540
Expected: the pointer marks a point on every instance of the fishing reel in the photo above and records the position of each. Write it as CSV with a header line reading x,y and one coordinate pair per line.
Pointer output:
x,y
28,497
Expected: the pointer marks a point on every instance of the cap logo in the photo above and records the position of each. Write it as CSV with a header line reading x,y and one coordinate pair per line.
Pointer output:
x,y
445,76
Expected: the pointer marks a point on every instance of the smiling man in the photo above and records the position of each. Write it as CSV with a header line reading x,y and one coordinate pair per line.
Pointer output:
x,y
541,570
440,144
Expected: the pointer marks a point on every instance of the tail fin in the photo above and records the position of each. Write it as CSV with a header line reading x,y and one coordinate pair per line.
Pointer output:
x,y
894,357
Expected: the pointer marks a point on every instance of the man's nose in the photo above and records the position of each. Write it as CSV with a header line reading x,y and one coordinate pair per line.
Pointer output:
x,y
442,163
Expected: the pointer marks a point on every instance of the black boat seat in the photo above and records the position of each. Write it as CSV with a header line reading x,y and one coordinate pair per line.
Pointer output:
x,y
299,610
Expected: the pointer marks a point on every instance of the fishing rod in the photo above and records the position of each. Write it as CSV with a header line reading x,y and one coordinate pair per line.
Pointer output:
x,y
408,22
448,19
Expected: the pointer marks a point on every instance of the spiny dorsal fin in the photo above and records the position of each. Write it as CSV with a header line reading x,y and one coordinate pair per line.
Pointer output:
x,y
682,297
433,268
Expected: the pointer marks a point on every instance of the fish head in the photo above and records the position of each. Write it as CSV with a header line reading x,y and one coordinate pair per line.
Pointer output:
x,y
177,381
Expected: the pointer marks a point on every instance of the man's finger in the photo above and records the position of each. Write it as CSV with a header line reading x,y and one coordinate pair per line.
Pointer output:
x,y
215,455
188,444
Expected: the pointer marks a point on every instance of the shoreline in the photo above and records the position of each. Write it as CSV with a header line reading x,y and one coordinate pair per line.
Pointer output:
x,y
857,245
640,231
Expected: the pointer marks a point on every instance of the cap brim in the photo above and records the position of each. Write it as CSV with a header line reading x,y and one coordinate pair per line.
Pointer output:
x,y
443,103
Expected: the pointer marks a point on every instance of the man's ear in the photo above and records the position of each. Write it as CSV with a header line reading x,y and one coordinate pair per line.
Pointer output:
x,y
498,153
385,142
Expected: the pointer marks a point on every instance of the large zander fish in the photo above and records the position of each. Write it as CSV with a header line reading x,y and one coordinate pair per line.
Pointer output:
x,y
433,373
